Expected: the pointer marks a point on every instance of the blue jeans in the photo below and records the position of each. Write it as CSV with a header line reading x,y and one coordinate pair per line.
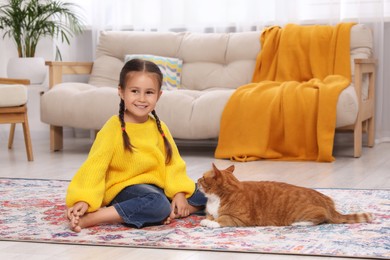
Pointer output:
x,y
144,204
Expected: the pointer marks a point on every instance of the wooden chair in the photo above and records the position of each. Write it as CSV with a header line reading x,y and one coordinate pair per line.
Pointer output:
x,y
15,111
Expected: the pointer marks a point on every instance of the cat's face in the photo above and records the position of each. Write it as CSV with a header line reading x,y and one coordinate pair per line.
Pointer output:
x,y
215,180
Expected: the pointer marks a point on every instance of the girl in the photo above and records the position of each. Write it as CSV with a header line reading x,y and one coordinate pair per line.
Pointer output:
x,y
134,173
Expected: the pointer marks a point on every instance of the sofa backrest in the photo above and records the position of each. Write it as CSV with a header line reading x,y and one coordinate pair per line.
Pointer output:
x,y
362,43
210,60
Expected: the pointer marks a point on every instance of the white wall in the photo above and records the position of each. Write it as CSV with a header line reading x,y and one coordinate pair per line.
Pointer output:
x,y
7,50
80,49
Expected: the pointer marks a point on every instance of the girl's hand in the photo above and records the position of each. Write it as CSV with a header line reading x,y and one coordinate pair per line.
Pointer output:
x,y
180,206
77,210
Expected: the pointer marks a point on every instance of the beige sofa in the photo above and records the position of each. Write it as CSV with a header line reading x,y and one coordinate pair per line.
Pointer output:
x,y
214,65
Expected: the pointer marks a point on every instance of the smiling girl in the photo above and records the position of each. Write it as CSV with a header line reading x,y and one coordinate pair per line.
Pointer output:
x,y
134,173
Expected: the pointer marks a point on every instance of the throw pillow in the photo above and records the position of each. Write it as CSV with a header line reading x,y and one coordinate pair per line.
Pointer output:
x,y
170,68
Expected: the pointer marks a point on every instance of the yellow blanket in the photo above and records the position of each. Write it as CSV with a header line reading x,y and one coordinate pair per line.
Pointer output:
x,y
289,112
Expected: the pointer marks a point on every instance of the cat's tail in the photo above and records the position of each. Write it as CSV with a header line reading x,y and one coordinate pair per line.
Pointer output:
x,y
338,218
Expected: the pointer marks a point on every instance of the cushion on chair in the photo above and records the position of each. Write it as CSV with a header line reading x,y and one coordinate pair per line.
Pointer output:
x,y
12,95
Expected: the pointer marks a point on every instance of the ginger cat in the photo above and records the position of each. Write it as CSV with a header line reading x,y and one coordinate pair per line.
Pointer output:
x,y
264,203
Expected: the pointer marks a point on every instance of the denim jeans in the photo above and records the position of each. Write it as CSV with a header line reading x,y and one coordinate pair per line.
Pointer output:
x,y
144,204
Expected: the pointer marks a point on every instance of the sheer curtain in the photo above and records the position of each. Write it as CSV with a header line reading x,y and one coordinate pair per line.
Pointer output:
x,y
243,15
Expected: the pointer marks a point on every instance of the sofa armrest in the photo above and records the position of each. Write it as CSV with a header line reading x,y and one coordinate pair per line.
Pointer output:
x,y
59,68
368,67
365,120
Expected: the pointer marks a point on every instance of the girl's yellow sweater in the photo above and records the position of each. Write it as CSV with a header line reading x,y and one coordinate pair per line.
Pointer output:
x,y
110,168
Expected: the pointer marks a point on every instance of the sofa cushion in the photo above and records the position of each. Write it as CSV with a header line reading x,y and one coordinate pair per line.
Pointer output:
x,y
189,114
347,107
111,51
218,60
222,60
193,114
362,45
183,111
79,105
169,67
105,72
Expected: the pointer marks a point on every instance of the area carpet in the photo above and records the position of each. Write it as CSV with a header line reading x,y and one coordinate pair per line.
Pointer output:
x,y
33,210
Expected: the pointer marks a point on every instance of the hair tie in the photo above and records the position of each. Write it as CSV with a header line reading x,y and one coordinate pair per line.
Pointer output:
x,y
123,129
162,134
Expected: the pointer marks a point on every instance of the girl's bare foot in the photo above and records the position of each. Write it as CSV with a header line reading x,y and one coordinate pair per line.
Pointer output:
x,y
74,223
107,215
167,221
174,214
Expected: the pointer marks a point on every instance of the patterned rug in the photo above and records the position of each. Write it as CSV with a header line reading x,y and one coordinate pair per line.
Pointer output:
x,y
33,210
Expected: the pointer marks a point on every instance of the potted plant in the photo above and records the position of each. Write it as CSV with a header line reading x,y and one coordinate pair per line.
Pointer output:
x,y
29,21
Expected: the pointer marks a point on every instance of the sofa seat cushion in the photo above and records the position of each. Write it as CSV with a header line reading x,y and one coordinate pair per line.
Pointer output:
x,y
193,114
189,114
79,105
186,112
347,107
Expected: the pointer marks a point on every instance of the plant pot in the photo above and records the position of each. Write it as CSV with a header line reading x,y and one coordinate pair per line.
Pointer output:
x,y
33,69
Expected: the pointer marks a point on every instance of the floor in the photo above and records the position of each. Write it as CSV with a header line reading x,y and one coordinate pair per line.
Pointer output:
x,y
369,171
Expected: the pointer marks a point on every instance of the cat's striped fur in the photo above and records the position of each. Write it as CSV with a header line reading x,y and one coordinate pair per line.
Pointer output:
x,y
264,203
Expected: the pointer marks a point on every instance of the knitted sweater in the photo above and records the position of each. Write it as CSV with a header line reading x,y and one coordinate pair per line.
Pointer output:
x,y
110,168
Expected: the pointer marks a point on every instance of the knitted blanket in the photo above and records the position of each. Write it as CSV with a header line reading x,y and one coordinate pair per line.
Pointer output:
x,y
289,111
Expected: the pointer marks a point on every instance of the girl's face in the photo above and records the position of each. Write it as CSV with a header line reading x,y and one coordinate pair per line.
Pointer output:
x,y
140,94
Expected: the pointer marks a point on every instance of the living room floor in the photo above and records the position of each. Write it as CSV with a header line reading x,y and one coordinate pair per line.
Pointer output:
x,y
370,171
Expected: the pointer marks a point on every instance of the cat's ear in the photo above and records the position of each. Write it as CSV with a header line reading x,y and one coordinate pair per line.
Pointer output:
x,y
230,169
214,167
216,171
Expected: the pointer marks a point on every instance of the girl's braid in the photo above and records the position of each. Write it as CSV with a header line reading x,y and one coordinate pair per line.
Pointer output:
x,y
148,67
126,138
167,144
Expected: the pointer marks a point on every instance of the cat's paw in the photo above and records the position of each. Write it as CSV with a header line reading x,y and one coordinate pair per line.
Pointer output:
x,y
209,223
303,223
